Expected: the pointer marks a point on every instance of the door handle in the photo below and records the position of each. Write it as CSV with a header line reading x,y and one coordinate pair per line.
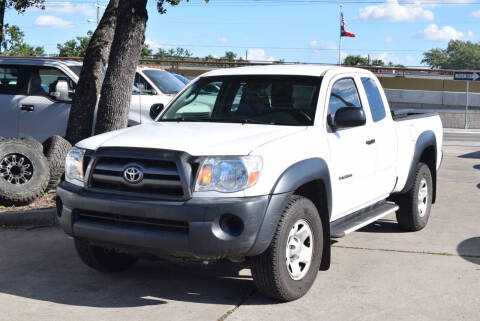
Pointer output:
x,y
370,141
27,108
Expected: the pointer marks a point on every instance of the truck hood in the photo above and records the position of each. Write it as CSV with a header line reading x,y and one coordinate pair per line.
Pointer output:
x,y
197,139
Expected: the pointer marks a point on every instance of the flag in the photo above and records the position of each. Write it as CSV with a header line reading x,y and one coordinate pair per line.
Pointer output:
x,y
343,29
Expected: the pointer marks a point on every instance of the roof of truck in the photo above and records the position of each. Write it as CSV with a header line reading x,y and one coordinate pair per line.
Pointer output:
x,y
296,69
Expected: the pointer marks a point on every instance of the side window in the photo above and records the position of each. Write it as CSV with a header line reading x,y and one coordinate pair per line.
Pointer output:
x,y
42,81
344,94
377,108
9,80
141,83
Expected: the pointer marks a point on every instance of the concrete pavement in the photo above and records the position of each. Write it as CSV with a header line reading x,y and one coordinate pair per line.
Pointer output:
x,y
377,273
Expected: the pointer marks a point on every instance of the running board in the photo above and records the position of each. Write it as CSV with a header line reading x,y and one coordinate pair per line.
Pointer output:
x,y
357,220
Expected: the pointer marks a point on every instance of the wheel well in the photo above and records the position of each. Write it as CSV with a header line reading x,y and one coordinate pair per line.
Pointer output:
x,y
429,157
316,192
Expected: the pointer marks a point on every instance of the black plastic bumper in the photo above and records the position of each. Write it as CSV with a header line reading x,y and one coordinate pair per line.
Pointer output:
x,y
203,237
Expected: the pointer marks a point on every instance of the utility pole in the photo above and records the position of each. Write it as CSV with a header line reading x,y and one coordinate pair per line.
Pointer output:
x,y
246,55
98,11
98,6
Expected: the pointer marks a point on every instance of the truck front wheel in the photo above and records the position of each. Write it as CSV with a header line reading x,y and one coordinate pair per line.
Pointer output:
x,y
288,268
416,204
103,260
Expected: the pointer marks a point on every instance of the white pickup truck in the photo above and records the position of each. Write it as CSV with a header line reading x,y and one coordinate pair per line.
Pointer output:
x,y
283,159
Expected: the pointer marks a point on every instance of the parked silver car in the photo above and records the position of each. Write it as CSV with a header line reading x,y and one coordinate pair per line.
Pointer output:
x,y
36,94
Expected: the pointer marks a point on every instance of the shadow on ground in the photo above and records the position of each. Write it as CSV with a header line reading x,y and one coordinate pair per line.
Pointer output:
x,y
46,268
473,155
382,226
469,250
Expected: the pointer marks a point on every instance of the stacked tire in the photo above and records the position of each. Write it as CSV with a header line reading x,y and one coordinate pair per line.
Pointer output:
x,y
28,169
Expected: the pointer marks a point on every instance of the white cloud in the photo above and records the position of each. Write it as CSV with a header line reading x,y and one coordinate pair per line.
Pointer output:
x,y
258,55
434,33
52,22
393,11
153,44
476,14
386,58
223,39
69,8
313,43
388,39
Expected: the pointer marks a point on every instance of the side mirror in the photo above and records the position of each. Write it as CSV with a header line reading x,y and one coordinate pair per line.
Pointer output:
x,y
61,91
155,110
347,117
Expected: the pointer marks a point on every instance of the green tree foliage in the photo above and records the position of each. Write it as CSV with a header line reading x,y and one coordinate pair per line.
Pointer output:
x,y
14,45
75,47
458,55
229,56
147,52
377,62
175,53
355,61
20,6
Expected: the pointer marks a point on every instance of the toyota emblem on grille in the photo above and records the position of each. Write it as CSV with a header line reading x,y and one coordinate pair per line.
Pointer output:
x,y
133,175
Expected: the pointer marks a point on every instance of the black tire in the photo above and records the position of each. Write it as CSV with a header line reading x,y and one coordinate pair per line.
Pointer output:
x,y
269,269
56,149
24,183
103,260
30,141
33,143
409,216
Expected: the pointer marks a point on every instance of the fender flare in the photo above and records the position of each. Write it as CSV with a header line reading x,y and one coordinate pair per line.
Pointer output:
x,y
291,179
426,140
304,172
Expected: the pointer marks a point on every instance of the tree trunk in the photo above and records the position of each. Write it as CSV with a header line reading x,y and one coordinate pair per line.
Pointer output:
x,y
2,18
80,122
117,87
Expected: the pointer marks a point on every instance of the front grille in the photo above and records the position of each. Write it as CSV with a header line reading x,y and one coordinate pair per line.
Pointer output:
x,y
166,175
132,221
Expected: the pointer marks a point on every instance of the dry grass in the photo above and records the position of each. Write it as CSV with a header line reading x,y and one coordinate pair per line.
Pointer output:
x,y
46,201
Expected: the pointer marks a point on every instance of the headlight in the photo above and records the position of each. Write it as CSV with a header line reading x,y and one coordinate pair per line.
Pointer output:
x,y
228,174
74,166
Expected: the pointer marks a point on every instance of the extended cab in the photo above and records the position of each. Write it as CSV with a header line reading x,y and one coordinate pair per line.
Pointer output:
x,y
36,95
260,163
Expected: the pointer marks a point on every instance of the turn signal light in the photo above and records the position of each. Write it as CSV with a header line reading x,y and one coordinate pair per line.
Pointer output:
x,y
205,176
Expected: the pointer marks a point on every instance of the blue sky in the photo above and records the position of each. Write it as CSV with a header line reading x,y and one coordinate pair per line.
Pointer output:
x,y
294,30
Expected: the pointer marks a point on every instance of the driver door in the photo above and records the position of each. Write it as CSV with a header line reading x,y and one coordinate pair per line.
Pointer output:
x,y
352,160
41,116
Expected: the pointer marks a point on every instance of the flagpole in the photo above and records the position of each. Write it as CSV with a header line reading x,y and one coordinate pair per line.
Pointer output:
x,y
340,39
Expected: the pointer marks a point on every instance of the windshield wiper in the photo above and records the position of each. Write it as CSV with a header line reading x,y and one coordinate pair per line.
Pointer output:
x,y
183,119
240,121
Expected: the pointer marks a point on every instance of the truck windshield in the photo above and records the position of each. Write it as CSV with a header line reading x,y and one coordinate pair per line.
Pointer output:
x,y
164,80
273,100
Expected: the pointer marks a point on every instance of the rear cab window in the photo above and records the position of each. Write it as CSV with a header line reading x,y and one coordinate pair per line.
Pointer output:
x,y
375,100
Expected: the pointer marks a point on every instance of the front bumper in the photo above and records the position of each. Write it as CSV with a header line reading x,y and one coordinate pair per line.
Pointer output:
x,y
145,225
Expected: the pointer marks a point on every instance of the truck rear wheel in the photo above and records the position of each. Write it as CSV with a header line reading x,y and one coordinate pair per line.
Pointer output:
x,y
288,268
416,204
103,260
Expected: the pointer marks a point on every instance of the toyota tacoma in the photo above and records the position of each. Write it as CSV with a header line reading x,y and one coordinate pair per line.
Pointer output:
x,y
265,164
